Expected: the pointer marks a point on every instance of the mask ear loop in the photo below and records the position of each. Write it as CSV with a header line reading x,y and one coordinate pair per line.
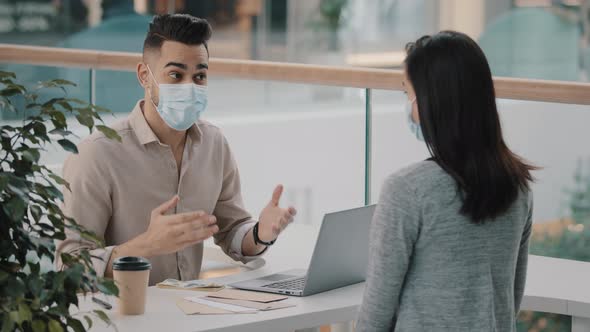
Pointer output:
x,y
149,90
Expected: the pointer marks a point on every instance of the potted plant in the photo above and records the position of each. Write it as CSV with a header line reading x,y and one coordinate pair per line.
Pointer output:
x,y
30,216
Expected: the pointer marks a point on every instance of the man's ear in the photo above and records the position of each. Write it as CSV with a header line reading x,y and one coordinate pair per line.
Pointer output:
x,y
142,74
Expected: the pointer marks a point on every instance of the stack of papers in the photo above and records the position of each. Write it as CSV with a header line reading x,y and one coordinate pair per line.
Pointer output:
x,y
190,285
232,301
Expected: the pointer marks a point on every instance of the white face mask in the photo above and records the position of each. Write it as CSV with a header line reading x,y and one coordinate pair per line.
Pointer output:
x,y
180,105
415,128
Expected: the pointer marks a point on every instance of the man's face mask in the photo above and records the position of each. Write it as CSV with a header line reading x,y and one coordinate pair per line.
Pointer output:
x,y
180,105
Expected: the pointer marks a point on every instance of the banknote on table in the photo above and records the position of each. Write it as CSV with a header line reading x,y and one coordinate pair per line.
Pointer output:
x,y
196,285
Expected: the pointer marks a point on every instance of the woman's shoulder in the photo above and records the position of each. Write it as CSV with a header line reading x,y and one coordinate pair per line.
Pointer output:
x,y
418,177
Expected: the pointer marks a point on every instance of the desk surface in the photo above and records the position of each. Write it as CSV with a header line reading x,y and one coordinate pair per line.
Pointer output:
x,y
553,285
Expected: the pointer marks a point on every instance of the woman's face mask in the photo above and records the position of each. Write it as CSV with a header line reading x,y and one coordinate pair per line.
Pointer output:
x,y
180,105
414,127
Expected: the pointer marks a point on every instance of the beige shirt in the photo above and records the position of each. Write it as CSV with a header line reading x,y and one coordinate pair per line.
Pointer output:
x,y
115,186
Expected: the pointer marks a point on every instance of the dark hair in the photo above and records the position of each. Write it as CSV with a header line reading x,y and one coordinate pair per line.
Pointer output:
x,y
181,28
460,122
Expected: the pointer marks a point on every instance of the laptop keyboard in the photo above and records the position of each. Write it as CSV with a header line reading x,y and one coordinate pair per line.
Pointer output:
x,y
297,284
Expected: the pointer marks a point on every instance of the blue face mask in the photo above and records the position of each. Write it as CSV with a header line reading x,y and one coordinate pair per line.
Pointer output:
x,y
414,127
180,105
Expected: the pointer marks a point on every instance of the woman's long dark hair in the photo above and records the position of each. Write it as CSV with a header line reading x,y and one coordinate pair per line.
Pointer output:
x,y
460,122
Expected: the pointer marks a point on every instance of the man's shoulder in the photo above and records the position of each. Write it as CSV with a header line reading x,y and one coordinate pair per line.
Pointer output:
x,y
211,132
98,142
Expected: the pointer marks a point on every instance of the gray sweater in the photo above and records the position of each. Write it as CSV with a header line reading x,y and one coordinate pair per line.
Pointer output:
x,y
432,269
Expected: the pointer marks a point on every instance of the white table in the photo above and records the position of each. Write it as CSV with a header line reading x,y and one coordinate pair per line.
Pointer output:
x,y
553,285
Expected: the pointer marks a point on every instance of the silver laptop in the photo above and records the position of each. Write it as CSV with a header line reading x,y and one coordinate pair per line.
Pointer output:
x,y
339,258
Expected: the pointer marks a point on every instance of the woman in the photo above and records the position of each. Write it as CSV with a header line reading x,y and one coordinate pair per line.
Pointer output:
x,y
449,238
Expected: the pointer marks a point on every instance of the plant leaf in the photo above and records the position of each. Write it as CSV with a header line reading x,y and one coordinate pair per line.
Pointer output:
x,y
60,132
88,321
103,316
68,145
109,132
76,325
7,74
8,323
39,326
15,208
55,326
24,313
32,155
59,180
36,212
85,120
91,237
107,286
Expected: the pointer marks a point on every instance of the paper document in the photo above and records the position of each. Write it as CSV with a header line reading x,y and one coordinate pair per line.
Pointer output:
x,y
218,305
254,305
190,285
234,294
191,308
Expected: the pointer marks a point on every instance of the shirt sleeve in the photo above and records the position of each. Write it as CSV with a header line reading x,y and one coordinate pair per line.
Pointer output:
x,y
394,230
88,202
522,262
232,218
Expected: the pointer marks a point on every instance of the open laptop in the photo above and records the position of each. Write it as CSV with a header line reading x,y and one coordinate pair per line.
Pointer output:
x,y
339,258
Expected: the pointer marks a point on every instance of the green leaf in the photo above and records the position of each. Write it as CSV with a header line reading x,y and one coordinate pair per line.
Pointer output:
x,y
7,74
103,316
59,81
32,155
60,132
15,208
91,237
107,286
39,326
88,321
108,132
65,105
8,322
59,116
76,325
85,120
24,313
59,180
3,182
36,212
8,92
68,145
55,326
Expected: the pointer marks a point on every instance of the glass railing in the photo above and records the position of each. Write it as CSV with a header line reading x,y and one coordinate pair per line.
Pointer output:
x,y
331,136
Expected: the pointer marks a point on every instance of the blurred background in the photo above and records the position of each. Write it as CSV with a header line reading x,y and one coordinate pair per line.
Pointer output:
x,y
312,138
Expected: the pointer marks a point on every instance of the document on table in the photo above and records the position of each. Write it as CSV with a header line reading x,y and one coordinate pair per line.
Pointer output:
x,y
196,285
232,301
254,305
235,294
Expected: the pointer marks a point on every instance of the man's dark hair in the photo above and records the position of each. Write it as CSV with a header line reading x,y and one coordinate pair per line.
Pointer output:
x,y
458,116
181,28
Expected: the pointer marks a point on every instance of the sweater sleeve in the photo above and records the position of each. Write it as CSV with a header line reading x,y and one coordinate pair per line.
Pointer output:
x,y
394,230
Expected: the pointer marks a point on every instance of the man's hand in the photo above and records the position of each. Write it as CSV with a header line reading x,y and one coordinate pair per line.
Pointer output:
x,y
168,234
274,219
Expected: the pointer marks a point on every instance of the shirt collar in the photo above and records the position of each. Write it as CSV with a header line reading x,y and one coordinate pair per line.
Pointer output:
x,y
146,135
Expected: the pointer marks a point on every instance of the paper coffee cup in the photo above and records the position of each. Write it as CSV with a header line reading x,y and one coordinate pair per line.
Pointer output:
x,y
131,275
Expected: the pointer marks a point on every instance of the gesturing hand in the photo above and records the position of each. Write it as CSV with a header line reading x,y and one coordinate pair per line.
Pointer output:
x,y
274,219
171,233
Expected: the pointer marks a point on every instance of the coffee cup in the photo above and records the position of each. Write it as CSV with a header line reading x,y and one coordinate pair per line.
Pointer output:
x,y
131,275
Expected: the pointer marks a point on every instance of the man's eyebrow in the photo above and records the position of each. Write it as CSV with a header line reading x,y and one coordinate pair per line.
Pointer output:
x,y
176,64
202,66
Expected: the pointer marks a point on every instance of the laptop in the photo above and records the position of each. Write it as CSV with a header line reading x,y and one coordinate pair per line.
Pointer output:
x,y
339,258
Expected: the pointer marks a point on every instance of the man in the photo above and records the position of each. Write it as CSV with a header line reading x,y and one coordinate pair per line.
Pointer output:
x,y
172,183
